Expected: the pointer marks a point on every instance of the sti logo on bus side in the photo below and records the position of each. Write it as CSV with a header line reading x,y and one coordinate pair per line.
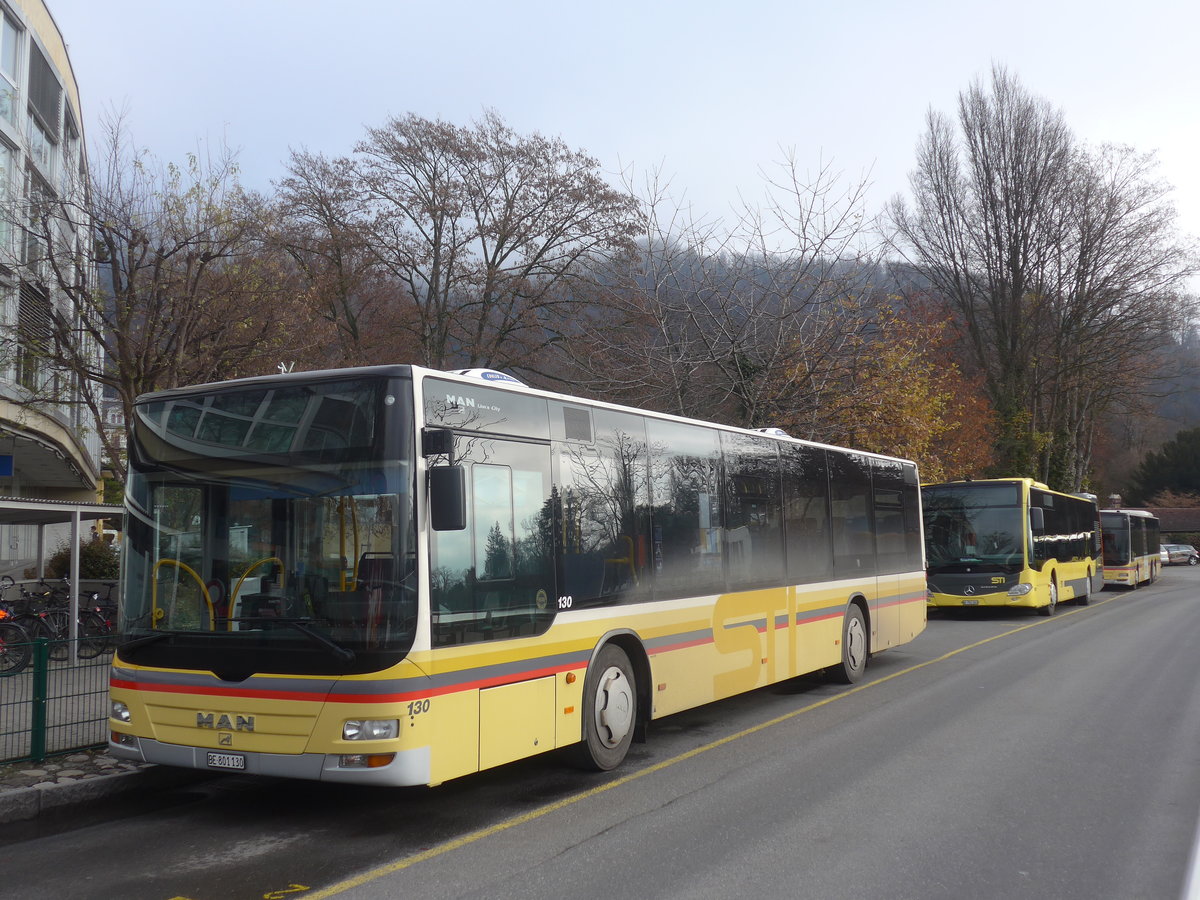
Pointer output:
x,y
225,722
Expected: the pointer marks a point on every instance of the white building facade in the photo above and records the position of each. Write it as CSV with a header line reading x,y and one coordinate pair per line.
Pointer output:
x,y
49,441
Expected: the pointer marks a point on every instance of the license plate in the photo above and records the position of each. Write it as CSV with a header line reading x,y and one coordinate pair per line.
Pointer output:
x,y
226,761
965,603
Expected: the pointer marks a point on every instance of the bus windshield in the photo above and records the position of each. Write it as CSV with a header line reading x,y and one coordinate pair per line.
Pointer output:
x,y
272,528
1116,539
973,524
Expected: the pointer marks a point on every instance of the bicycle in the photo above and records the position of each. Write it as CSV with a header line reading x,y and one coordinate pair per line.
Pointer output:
x,y
16,648
97,621
44,612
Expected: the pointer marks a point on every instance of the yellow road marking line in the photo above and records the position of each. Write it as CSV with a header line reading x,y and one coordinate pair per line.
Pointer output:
x,y
474,836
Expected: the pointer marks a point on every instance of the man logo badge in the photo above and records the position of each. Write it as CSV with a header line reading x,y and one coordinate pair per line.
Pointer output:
x,y
224,722
225,739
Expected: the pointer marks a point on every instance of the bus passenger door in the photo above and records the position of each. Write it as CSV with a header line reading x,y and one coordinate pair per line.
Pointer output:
x,y
495,578
891,550
489,582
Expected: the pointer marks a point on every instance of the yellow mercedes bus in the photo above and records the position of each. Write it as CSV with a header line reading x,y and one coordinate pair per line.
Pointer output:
x,y
394,575
1010,542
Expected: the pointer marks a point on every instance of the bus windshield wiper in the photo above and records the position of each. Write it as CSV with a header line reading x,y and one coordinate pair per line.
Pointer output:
x,y
345,654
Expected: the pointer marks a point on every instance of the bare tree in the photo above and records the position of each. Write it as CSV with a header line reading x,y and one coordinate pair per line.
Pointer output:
x,y
482,233
186,293
1060,263
336,268
1119,277
752,323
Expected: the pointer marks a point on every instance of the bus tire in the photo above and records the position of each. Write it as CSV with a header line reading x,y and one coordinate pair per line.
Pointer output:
x,y
1085,598
1052,607
855,647
609,710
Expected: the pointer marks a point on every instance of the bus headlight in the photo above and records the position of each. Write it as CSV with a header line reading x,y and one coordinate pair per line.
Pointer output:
x,y
370,729
1019,590
120,712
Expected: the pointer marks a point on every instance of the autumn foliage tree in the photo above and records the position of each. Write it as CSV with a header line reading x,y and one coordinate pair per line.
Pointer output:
x,y
901,394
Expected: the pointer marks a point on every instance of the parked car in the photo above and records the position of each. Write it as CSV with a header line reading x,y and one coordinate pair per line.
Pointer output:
x,y
1164,555
1182,554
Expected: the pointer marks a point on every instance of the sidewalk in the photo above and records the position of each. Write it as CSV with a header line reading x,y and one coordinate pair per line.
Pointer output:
x,y
30,790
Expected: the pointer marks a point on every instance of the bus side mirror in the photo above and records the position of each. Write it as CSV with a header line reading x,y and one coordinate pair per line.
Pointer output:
x,y
437,442
1037,519
448,498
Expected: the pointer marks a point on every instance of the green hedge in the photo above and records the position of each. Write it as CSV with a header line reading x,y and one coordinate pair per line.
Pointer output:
x,y
97,559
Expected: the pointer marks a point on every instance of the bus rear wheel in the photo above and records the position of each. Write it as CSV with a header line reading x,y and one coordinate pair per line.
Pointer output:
x,y
609,710
855,647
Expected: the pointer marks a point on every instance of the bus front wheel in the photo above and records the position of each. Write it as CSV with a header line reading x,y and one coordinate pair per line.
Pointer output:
x,y
609,710
855,647
1050,608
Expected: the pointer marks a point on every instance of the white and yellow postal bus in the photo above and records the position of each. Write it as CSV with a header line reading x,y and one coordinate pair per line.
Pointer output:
x,y
399,576
1131,544
1010,542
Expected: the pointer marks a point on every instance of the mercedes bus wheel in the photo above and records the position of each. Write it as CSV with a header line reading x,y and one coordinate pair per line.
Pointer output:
x,y
1052,607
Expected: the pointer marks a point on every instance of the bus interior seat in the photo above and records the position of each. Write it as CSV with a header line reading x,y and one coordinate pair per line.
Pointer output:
x,y
375,570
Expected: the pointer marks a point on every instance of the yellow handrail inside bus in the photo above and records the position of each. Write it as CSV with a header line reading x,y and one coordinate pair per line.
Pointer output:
x,y
246,574
156,613
626,560
342,540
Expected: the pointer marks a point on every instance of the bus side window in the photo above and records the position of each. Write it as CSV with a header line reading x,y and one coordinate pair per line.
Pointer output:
x,y
850,500
753,511
603,505
687,544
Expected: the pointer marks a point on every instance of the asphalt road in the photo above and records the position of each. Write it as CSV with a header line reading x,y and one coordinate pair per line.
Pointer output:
x,y
998,756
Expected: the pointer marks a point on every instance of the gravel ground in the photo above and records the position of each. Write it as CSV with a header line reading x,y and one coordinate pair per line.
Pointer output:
x,y
81,766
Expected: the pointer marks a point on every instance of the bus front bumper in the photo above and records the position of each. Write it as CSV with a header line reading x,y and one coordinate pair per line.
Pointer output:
x,y
1001,598
408,767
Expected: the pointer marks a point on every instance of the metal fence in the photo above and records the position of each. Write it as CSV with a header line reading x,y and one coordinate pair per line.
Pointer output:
x,y
54,706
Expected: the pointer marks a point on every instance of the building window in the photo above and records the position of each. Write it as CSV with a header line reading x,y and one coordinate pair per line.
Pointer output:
x,y
10,44
70,152
45,102
41,147
34,332
6,209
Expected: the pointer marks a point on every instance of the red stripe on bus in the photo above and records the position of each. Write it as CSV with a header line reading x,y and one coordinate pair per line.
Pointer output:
x,y
333,697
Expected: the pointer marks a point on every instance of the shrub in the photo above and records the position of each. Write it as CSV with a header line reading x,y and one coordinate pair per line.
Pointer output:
x,y
97,559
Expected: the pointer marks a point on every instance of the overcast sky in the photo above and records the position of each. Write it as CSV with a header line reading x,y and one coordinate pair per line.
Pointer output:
x,y
707,92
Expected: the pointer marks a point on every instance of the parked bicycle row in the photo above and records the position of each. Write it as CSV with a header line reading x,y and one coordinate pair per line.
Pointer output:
x,y
43,610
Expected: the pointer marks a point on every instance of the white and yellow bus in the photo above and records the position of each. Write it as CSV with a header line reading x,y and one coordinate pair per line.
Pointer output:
x,y
1131,543
1010,542
394,575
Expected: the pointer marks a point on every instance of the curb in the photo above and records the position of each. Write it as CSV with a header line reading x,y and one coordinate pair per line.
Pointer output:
x,y
25,804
